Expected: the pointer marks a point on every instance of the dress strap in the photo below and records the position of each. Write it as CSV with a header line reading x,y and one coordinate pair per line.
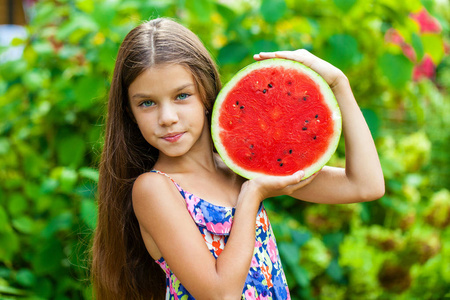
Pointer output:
x,y
176,184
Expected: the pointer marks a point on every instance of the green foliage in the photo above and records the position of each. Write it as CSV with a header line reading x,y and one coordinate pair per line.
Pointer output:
x,y
52,103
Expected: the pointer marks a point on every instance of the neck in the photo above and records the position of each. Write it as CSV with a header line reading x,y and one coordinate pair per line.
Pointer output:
x,y
199,158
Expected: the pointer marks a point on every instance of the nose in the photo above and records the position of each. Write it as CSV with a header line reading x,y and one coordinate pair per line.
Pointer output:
x,y
168,114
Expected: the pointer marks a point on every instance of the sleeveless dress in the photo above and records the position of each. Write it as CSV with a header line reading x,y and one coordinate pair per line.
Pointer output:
x,y
265,278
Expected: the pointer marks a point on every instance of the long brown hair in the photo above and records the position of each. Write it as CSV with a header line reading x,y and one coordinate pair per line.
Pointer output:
x,y
121,265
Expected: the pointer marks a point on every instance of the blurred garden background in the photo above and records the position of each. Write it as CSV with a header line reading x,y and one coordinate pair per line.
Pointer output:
x,y
54,80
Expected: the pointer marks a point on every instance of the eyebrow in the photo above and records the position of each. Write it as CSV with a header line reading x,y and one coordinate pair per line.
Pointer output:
x,y
176,90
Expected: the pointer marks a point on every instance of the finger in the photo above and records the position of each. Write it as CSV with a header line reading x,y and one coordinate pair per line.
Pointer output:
x,y
292,188
292,180
264,55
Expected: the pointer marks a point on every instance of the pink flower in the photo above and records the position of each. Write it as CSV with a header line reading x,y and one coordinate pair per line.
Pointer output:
x,y
254,262
263,297
199,217
250,293
219,227
427,23
272,249
409,52
191,202
393,36
426,69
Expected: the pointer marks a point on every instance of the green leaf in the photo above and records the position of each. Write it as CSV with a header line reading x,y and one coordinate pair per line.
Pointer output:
x,y
372,121
9,238
264,46
89,173
273,10
232,53
4,221
4,146
87,89
342,51
417,45
88,213
24,224
48,257
434,46
335,271
201,9
17,204
290,253
25,277
71,150
397,69
61,222
301,276
8,290
345,5
300,237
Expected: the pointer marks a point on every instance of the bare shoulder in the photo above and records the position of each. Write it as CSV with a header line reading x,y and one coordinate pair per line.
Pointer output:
x,y
149,189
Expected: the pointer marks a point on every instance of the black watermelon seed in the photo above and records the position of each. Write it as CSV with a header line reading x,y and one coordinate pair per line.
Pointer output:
x,y
316,116
288,93
281,164
305,98
253,154
237,102
290,151
251,146
306,121
304,128
242,107
264,91
315,137
270,85
279,159
289,82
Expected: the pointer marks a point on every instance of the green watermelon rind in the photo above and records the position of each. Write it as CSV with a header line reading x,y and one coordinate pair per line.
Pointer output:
x,y
329,97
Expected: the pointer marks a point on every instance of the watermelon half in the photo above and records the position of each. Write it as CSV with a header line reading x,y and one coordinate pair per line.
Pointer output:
x,y
276,117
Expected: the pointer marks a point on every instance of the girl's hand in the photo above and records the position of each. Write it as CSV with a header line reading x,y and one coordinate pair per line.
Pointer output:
x,y
272,186
332,75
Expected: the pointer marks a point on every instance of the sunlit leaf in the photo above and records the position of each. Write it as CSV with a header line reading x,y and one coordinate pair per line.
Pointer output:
x,y
202,9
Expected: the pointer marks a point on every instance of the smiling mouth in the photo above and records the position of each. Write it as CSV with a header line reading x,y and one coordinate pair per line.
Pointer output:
x,y
173,137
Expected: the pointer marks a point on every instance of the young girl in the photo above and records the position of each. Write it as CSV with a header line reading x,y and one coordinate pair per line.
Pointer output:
x,y
174,221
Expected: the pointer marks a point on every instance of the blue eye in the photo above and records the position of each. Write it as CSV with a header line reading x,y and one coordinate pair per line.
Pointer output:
x,y
182,96
147,103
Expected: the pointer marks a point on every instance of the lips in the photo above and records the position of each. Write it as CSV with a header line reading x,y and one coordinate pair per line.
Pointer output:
x,y
173,137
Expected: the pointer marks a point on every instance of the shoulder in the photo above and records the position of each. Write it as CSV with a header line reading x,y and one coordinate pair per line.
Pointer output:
x,y
150,188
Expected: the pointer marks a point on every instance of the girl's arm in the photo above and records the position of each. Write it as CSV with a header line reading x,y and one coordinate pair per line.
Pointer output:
x,y
167,225
362,179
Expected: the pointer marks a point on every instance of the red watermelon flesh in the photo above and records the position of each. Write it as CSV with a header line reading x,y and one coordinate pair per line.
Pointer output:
x,y
276,117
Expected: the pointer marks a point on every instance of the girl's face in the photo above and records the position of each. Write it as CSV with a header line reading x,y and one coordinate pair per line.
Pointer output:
x,y
168,110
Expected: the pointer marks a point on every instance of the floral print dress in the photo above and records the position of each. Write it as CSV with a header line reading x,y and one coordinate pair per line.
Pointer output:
x,y
265,279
